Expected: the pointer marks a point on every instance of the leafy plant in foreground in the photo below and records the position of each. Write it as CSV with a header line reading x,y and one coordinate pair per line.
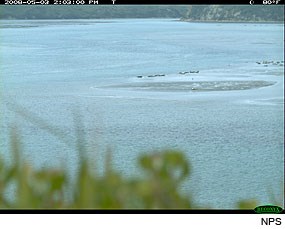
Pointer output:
x,y
51,188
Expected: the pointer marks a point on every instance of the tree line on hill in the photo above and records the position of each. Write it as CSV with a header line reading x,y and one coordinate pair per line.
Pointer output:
x,y
235,13
185,12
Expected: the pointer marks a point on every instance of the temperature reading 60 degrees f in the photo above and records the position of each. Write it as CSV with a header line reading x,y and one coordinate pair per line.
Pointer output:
x,y
269,2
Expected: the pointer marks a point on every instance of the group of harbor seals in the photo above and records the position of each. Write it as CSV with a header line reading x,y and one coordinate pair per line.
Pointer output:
x,y
183,73
266,63
159,75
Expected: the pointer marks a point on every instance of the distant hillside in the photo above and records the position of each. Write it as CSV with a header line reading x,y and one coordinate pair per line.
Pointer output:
x,y
235,13
186,12
91,11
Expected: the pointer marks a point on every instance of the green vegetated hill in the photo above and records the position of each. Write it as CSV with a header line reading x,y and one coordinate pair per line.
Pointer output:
x,y
186,12
235,13
93,11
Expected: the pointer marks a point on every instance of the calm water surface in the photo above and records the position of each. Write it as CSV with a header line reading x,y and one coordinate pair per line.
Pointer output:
x,y
228,118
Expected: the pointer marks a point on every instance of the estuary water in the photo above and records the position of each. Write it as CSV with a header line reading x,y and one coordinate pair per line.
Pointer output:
x,y
212,90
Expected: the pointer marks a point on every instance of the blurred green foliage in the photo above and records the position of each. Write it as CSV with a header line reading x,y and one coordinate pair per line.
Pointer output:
x,y
47,188
158,187
51,188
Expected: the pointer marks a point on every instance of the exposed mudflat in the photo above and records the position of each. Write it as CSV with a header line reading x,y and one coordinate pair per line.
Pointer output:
x,y
195,85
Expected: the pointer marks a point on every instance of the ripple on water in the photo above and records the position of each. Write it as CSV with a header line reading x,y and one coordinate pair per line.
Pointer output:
x,y
266,102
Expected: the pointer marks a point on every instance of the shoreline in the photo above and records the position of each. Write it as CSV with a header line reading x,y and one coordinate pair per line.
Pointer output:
x,y
231,21
174,19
